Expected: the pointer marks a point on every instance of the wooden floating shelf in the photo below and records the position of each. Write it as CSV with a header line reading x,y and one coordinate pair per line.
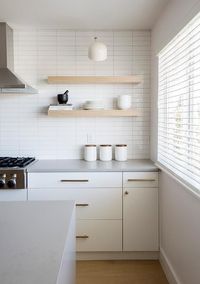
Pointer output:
x,y
93,113
134,79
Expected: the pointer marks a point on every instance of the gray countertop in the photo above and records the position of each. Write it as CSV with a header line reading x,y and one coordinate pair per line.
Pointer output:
x,y
32,240
97,166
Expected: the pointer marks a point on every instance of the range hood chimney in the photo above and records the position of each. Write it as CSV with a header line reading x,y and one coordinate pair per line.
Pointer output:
x,y
9,81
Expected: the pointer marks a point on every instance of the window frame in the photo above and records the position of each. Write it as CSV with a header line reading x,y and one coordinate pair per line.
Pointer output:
x,y
180,171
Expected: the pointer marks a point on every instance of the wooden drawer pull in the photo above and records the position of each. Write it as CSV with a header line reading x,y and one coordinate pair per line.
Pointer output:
x,y
140,179
82,204
74,180
82,237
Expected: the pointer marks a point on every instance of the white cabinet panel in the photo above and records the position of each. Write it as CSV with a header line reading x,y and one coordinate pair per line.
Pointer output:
x,y
74,180
140,179
98,203
99,235
13,195
140,219
67,271
100,198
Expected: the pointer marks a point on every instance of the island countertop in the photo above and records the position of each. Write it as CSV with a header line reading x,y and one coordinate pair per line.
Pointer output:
x,y
138,165
33,241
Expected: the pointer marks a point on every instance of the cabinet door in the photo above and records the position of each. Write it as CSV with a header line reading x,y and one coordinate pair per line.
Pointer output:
x,y
140,219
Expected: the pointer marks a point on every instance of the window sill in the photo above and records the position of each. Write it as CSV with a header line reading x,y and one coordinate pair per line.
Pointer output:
x,y
186,186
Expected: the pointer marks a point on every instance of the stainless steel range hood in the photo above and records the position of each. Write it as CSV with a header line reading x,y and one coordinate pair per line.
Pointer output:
x,y
9,81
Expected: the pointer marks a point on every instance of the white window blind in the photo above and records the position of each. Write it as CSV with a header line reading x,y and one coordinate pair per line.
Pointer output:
x,y
179,104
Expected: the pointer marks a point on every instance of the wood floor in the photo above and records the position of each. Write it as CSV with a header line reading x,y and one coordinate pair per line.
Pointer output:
x,y
120,272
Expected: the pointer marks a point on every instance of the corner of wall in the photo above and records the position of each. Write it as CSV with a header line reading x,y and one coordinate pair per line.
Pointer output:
x,y
168,269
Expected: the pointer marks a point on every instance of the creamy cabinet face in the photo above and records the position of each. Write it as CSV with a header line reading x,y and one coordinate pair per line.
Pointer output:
x,y
140,219
13,195
140,179
99,235
115,211
140,211
91,203
98,198
74,180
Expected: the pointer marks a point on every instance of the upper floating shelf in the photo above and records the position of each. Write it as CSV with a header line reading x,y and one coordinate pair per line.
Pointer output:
x,y
94,113
134,79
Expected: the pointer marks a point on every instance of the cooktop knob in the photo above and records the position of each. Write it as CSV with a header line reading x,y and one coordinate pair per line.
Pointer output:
x,y
11,183
2,183
2,180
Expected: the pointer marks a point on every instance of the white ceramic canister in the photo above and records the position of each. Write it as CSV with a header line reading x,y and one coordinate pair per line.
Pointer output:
x,y
105,152
90,152
124,102
121,152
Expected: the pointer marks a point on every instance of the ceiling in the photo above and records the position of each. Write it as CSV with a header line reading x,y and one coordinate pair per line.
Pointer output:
x,y
82,14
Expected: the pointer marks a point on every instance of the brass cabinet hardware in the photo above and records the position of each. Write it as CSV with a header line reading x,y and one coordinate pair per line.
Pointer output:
x,y
74,180
82,237
140,179
126,192
82,204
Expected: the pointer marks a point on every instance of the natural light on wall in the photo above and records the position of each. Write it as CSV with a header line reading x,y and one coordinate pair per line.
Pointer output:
x,y
179,105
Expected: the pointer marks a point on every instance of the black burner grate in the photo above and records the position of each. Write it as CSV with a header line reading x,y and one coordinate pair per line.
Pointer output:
x,y
7,162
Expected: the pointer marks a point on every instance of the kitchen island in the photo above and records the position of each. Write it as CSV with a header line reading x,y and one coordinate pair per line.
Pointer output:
x,y
37,242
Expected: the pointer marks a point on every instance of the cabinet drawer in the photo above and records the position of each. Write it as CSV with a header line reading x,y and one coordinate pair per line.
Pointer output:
x,y
72,180
99,235
98,203
140,179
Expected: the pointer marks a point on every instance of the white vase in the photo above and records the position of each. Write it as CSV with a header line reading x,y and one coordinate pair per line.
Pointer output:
x,y
124,102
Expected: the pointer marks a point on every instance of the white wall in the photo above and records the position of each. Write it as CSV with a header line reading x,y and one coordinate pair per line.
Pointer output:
x,y
25,128
180,230
180,209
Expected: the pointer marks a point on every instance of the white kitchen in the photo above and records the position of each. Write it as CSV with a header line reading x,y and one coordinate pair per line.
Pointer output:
x,y
100,142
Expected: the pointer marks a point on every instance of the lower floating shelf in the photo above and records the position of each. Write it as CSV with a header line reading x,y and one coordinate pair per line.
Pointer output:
x,y
93,113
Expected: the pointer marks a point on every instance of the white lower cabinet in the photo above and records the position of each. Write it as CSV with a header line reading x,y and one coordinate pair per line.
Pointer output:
x,y
98,208
102,225
140,219
98,214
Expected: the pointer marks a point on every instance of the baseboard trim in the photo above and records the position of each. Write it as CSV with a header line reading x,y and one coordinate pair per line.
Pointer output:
x,y
117,255
168,269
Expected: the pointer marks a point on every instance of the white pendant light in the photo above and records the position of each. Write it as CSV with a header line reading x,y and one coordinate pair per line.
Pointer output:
x,y
97,51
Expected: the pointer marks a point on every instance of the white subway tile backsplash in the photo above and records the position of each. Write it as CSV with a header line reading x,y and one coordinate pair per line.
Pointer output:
x,y
25,128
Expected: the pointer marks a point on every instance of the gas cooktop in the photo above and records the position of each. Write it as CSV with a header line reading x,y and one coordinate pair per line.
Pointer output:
x,y
7,162
13,173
